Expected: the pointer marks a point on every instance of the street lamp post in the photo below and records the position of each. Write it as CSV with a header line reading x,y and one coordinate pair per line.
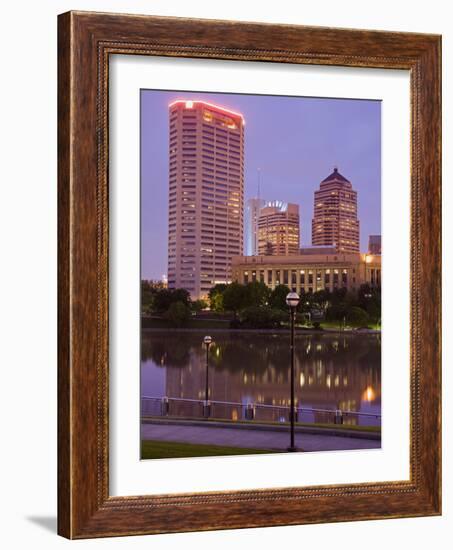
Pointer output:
x,y
207,341
292,300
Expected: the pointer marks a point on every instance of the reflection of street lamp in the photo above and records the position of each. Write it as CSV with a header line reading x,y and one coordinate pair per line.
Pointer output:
x,y
207,341
292,300
308,314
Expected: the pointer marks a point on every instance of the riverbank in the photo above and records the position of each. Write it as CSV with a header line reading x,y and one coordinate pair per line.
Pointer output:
x,y
299,330
337,430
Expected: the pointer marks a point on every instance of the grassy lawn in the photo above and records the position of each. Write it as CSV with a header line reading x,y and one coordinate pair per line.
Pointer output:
x,y
339,326
193,323
351,427
167,449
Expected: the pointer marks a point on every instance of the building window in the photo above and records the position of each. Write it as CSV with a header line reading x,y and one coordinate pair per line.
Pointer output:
x,y
285,277
262,276
293,278
344,277
277,277
253,276
302,277
246,277
269,276
327,277
310,277
335,277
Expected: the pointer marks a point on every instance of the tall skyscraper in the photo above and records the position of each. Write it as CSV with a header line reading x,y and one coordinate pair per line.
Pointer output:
x,y
374,244
335,220
252,212
278,229
206,195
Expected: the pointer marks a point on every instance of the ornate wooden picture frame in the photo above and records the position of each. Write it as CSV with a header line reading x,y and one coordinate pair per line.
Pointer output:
x,y
86,41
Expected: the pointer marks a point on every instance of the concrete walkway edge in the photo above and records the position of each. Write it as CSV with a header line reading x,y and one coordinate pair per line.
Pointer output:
x,y
264,427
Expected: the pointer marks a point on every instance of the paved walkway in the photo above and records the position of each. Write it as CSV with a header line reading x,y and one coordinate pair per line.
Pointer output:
x,y
255,439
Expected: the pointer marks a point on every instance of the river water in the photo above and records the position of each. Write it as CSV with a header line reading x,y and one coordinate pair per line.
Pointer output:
x,y
333,371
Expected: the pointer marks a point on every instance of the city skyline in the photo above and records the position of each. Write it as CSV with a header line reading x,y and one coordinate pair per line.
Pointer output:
x,y
290,182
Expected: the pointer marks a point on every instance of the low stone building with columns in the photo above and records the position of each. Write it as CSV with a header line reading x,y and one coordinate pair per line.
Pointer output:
x,y
310,271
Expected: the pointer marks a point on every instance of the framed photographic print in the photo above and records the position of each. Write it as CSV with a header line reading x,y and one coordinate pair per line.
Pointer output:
x,y
249,275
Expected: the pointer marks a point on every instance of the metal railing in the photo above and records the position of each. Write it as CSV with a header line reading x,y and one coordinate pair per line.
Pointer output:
x,y
177,407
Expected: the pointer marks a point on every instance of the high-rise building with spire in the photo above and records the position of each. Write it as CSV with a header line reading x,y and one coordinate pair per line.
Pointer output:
x,y
335,220
206,195
252,213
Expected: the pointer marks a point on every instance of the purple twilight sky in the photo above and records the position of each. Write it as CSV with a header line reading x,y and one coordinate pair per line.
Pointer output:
x,y
295,141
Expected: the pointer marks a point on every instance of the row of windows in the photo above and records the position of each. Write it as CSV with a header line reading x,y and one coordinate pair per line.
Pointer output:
x,y
220,138
212,147
232,168
217,148
283,277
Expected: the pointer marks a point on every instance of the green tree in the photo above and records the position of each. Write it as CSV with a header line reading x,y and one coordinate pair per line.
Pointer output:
x,y
234,298
147,297
163,298
321,299
336,313
341,301
215,296
181,295
338,296
216,303
256,293
198,305
306,302
369,299
277,298
357,317
262,317
178,314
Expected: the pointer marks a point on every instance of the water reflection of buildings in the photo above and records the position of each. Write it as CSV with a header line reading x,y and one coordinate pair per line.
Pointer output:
x,y
331,373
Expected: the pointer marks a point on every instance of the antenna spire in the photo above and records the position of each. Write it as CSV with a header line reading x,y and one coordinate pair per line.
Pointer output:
x,y
259,183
